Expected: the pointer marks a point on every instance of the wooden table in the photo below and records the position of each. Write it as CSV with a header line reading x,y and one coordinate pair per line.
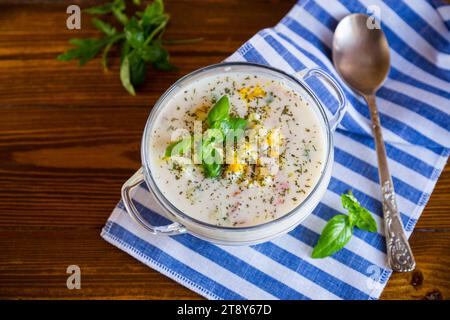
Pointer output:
x,y
69,137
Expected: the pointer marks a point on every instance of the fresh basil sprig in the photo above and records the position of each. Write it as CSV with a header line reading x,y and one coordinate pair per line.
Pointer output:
x,y
358,216
140,41
229,126
339,229
219,118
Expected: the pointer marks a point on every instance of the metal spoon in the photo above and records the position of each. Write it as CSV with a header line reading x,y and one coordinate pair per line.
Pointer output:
x,y
361,57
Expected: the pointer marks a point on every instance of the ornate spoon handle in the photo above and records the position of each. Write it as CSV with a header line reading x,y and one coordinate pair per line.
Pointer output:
x,y
399,254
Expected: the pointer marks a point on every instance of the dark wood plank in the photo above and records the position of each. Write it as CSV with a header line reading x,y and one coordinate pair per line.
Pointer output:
x,y
34,265
70,136
431,250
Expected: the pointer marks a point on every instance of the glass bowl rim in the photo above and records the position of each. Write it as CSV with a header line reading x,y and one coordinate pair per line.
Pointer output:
x,y
166,204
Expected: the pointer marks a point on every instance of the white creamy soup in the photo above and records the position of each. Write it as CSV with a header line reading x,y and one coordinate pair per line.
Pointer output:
x,y
277,160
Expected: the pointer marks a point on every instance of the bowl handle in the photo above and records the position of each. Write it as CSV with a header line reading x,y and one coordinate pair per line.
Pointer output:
x,y
136,179
319,73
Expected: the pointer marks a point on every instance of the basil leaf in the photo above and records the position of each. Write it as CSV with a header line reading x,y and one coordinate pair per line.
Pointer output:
x,y
153,16
363,220
118,7
86,49
358,215
334,237
125,76
349,201
212,170
151,53
210,165
178,147
156,8
138,68
223,126
212,135
232,124
150,24
236,129
238,123
163,63
104,27
134,33
219,111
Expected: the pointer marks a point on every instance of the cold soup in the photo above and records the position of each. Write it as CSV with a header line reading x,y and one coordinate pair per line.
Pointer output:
x,y
237,149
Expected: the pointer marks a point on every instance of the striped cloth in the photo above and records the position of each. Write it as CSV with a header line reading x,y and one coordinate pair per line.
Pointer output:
x,y
414,106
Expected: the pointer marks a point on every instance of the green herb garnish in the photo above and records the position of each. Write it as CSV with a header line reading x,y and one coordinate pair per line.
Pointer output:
x,y
140,41
339,229
237,123
177,148
211,167
223,125
220,111
218,118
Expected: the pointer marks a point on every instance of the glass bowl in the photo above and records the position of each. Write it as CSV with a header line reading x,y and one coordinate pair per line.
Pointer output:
x,y
247,235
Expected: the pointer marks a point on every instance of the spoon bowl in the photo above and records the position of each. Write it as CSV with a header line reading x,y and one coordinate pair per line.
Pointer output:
x,y
360,54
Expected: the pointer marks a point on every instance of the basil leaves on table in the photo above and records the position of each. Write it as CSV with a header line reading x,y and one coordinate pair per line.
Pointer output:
x,y
359,216
339,229
140,41
218,118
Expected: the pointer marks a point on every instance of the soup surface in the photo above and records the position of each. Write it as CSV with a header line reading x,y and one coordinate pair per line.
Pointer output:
x,y
270,169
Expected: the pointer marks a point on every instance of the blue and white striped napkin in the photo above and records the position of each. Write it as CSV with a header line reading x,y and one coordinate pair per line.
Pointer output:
x,y
414,108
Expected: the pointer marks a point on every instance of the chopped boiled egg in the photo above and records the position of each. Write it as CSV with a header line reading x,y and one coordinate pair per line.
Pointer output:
x,y
274,137
236,167
251,93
